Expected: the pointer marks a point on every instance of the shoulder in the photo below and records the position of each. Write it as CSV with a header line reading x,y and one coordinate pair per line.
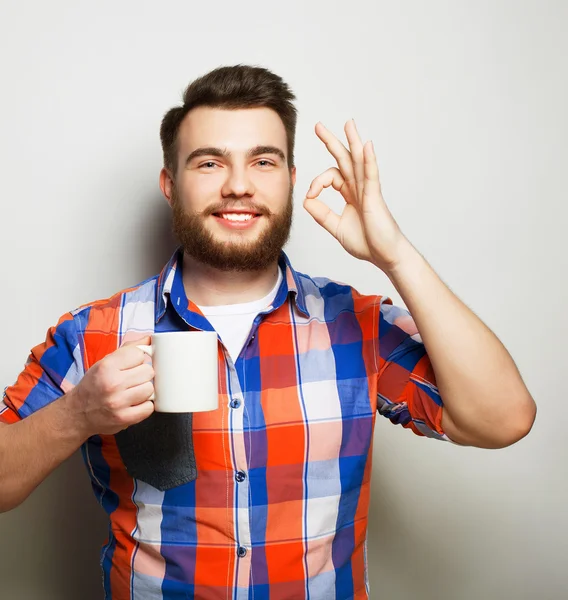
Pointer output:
x,y
116,313
336,295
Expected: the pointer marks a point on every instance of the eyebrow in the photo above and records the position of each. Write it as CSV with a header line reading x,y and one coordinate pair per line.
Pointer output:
x,y
220,153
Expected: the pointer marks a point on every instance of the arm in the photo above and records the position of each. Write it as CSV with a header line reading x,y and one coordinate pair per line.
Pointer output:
x,y
485,401
32,448
113,394
490,411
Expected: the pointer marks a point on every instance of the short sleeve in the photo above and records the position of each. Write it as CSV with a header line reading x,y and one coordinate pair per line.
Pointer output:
x,y
53,368
407,393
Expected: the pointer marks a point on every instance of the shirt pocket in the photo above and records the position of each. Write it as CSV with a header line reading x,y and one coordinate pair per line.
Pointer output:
x,y
159,450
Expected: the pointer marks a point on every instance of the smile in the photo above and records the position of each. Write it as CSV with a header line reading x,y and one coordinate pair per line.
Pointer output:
x,y
236,220
242,217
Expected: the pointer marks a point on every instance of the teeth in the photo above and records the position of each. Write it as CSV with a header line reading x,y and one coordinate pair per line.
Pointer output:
x,y
237,216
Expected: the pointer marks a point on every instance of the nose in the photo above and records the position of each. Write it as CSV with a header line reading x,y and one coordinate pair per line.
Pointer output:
x,y
237,184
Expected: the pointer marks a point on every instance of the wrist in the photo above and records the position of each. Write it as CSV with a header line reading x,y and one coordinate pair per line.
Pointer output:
x,y
71,417
405,257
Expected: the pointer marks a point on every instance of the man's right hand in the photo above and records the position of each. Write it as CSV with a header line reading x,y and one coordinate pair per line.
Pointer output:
x,y
115,392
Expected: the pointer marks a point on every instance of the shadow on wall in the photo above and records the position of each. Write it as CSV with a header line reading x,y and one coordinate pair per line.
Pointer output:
x,y
55,538
155,241
408,557
56,535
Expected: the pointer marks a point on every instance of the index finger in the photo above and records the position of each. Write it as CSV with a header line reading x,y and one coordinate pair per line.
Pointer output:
x,y
129,355
340,153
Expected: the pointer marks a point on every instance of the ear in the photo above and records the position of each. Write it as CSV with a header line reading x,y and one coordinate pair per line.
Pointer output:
x,y
293,176
166,184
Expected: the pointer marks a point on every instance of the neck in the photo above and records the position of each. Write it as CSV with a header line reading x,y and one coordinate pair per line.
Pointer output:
x,y
206,286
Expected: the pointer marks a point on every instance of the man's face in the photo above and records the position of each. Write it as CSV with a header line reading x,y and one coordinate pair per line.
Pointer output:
x,y
232,196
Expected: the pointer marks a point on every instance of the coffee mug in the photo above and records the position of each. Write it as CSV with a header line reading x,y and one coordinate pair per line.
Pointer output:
x,y
186,371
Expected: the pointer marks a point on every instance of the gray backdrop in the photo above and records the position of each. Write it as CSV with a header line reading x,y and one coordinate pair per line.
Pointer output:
x,y
466,104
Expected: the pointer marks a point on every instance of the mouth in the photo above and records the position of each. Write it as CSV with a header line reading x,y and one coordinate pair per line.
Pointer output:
x,y
237,219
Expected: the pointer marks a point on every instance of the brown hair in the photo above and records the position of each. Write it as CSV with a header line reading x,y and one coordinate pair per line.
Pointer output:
x,y
235,87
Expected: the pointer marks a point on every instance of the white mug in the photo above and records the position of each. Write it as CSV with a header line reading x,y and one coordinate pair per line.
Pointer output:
x,y
186,371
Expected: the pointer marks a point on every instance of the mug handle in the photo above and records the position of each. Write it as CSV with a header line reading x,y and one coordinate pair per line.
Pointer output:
x,y
149,350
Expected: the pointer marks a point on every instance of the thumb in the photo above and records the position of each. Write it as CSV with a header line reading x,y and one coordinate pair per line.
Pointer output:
x,y
141,341
322,215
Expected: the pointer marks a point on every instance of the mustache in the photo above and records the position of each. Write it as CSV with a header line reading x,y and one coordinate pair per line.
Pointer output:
x,y
252,207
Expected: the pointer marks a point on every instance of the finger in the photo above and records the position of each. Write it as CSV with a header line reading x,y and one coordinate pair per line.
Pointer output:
x,y
137,376
323,215
128,356
144,341
136,395
135,414
341,155
372,187
356,148
331,177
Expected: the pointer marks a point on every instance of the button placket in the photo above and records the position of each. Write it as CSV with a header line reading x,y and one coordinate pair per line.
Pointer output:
x,y
236,423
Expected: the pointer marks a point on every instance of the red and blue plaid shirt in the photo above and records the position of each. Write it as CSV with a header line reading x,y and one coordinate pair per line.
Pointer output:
x,y
279,506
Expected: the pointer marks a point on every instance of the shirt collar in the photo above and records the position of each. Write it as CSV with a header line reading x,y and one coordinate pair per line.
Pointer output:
x,y
291,284
165,283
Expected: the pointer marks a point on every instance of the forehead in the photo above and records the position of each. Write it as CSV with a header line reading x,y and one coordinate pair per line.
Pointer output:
x,y
233,130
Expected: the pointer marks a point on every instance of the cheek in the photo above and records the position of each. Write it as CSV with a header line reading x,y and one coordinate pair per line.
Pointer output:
x,y
273,188
198,192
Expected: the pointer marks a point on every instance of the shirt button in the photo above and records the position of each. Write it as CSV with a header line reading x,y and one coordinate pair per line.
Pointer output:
x,y
235,403
241,552
240,476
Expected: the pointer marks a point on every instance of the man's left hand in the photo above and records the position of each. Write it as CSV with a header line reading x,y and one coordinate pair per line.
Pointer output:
x,y
365,228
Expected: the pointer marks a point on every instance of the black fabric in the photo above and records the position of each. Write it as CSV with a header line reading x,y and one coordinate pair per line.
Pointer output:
x,y
159,450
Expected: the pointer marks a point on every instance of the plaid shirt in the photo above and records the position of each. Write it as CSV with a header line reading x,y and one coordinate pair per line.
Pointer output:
x,y
280,504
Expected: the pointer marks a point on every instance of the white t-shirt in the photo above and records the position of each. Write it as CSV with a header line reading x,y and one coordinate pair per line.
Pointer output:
x,y
233,322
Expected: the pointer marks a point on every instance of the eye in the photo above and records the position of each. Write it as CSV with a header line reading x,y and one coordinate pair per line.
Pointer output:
x,y
208,165
264,163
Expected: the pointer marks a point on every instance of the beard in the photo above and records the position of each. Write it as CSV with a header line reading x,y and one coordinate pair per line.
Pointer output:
x,y
256,255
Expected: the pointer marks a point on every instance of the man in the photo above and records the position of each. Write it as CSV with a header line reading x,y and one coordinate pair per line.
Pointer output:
x,y
267,496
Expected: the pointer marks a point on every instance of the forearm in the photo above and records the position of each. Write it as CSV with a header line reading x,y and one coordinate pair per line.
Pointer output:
x,y
32,448
485,400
